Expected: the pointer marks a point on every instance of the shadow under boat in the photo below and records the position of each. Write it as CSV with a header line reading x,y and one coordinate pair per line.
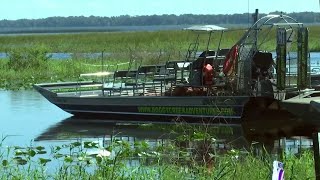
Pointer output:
x,y
248,135
135,118
74,128
272,121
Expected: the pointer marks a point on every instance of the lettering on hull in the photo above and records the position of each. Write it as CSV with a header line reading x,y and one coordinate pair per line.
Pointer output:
x,y
75,89
212,111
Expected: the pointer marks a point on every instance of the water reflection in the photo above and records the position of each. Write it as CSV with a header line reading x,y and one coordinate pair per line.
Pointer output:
x,y
189,138
200,148
73,128
227,136
161,133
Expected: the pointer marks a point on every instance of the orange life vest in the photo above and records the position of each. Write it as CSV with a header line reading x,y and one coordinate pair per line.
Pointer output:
x,y
208,72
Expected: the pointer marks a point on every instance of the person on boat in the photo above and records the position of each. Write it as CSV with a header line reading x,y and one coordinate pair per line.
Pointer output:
x,y
208,72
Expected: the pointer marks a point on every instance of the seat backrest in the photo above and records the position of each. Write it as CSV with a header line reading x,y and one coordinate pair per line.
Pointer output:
x,y
147,69
223,52
207,53
263,60
120,73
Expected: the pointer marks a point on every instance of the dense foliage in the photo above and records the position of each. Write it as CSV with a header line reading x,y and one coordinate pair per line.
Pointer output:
x,y
166,19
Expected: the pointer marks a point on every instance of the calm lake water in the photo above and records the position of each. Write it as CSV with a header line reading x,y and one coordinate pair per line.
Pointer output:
x,y
72,30
25,115
62,56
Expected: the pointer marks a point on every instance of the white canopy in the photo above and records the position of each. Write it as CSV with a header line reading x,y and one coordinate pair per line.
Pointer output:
x,y
97,74
206,28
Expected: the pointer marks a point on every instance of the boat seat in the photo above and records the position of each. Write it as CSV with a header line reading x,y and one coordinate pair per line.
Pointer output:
x,y
167,73
223,52
126,83
262,62
207,53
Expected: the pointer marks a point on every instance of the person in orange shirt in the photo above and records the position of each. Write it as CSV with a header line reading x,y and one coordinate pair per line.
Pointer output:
x,y
208,72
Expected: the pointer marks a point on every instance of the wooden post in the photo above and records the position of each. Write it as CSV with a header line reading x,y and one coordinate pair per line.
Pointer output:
x,y
102,69
315,138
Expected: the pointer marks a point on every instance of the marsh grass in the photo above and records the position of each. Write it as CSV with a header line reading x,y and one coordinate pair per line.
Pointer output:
x,y
28,62
117,42
120,42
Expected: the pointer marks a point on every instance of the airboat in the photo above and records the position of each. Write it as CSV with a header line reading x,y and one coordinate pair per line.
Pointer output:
x,y
229,85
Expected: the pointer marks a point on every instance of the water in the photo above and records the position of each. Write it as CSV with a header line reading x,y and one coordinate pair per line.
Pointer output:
x,y
64,56
25,114
68,30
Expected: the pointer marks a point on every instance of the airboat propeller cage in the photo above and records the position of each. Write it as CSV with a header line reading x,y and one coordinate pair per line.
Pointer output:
x,y
291,70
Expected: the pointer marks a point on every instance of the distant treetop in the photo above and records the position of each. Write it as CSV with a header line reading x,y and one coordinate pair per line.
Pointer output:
x,y
166,19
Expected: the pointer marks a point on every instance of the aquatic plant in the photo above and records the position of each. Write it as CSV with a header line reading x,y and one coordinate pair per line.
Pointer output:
x,y
118,159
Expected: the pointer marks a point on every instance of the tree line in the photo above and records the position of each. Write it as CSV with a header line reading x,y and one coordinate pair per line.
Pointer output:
x,y
166,19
